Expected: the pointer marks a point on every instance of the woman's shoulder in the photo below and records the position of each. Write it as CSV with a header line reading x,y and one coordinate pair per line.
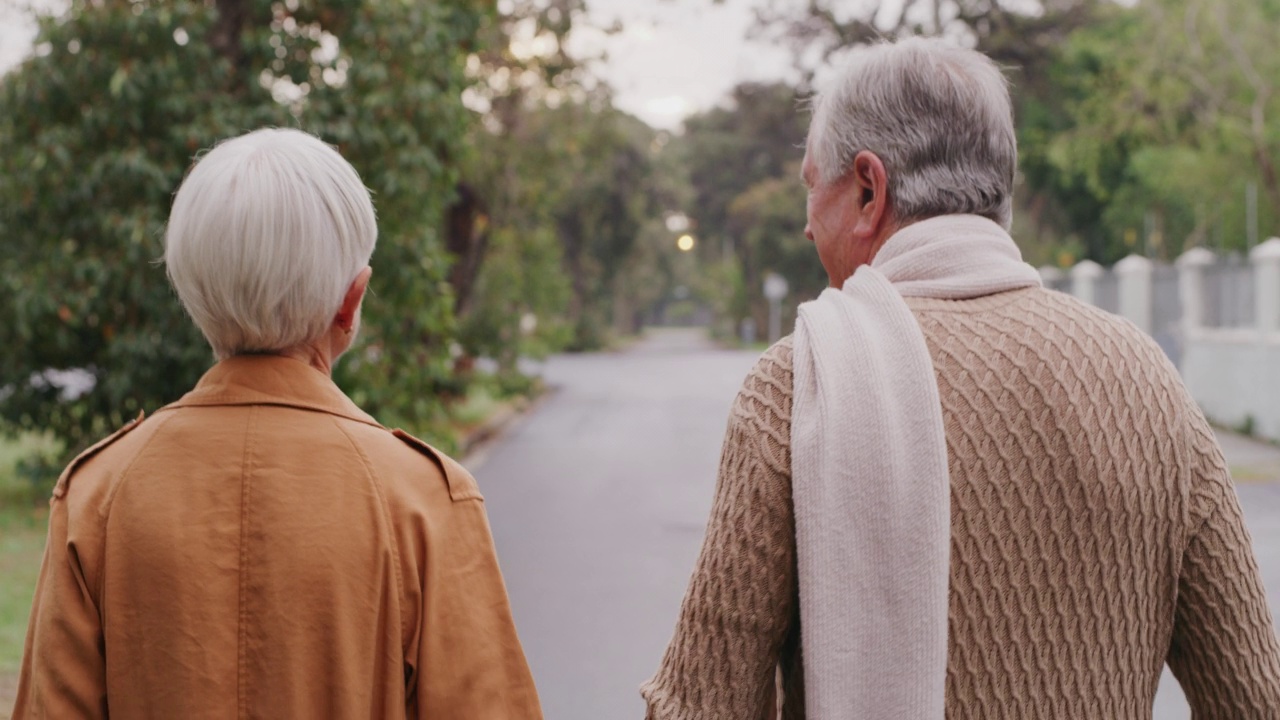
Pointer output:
x,y
410,468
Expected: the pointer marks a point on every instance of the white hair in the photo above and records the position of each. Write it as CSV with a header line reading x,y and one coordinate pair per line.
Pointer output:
x,y
937,115
266,234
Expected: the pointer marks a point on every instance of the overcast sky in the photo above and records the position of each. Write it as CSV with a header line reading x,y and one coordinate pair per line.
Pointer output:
x,y
15,35
676,57
673,57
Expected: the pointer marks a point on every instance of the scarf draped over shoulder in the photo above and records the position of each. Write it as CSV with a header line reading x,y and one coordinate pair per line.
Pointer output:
x,y
869,472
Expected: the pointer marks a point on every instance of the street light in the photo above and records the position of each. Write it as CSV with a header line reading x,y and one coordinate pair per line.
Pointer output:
x,y
685,243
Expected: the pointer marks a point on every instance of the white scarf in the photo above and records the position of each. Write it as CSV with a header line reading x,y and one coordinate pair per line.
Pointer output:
x,y
869,472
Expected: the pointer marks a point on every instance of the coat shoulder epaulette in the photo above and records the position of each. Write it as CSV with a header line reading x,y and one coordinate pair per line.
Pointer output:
x,y
65,478
461,485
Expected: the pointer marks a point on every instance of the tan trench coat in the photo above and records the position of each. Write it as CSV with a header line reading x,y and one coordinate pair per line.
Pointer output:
x,y
263,548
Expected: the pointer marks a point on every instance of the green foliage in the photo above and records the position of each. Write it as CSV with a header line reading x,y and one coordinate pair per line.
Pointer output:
x,y
521,297
743,163
1140,125
759,134
768,220
398,119
96,135
572,187
1152,132
603,202
98,128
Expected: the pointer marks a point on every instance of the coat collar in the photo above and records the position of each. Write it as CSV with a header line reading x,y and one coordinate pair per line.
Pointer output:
x,y
271,380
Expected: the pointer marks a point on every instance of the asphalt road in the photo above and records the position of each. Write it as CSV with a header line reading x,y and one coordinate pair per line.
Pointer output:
x,y
598,500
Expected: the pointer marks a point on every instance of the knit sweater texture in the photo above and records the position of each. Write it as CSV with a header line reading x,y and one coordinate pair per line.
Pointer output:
x,y
1095,534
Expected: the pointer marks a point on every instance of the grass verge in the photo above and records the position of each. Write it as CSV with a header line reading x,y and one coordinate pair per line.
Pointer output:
x,y
23,518
22,536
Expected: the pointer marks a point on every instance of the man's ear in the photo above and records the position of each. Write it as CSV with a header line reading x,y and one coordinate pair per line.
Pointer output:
x,y
350,307
873,193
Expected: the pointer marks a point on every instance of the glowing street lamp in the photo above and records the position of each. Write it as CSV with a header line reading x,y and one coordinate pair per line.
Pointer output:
x,y
685,243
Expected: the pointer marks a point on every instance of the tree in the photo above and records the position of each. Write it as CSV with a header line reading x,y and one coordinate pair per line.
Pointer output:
x,y
581,173
1160,126
768,221
520,63
1139,127
553,161
97,129
747,200
1016,33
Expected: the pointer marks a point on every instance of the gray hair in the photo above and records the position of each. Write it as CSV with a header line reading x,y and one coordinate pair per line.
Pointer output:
x,y
266,234
937,115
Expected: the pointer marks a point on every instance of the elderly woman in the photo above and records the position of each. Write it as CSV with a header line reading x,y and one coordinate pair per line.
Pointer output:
x,y
953,492
262,547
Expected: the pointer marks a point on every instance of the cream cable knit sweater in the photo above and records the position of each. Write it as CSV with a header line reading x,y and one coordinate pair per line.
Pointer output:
x,y
1095,534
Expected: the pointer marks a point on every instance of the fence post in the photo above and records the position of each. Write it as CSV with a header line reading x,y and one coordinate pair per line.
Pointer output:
x,y
1084,281
1134,274
1050,276
1191,265
1266,283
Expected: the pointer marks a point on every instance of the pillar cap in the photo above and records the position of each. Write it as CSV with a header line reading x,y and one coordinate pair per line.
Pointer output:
x,y
1269,250
1050,273
1196,257
1134,264
1087,269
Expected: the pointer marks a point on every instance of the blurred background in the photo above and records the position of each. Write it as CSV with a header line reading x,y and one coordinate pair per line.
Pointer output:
x,y
564,176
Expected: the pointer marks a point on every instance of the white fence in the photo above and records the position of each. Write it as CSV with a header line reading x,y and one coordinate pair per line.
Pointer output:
x,y
1218,319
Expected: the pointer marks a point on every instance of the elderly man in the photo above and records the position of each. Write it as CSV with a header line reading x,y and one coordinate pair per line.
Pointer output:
x,y
953,492
262,547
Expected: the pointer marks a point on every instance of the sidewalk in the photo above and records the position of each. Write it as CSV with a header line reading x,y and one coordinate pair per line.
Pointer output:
x,y
1250,460
1255,465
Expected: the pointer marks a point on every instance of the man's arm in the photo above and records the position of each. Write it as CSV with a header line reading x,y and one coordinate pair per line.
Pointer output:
x,y
1224,650
740,604
63,668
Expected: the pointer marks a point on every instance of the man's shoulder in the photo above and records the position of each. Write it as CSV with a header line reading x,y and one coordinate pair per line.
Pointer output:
x,y
764,400
776,362
1056,317
1052,339
1085,327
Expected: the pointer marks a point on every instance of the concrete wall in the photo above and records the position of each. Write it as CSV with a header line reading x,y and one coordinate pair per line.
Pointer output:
x,y
1236,380
1230,361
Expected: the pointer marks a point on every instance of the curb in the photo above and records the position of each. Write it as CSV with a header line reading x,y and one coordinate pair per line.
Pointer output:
x,y
474,448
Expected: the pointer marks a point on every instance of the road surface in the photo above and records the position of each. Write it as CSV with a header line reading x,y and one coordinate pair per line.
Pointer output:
x,y
598,500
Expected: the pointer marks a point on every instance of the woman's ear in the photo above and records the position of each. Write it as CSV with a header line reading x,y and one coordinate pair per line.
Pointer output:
x,y
350,308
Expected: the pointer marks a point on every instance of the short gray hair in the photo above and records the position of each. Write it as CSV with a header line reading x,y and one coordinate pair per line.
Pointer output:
x,y
937,115
266,234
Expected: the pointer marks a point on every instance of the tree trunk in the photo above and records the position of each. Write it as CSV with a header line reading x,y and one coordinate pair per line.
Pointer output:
x,y
227,40
466,238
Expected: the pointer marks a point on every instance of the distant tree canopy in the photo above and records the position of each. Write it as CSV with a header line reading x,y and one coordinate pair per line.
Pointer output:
x,y
1146,128
1163,119
516,206
97,128
743,162
573,185
1141,128
570,182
